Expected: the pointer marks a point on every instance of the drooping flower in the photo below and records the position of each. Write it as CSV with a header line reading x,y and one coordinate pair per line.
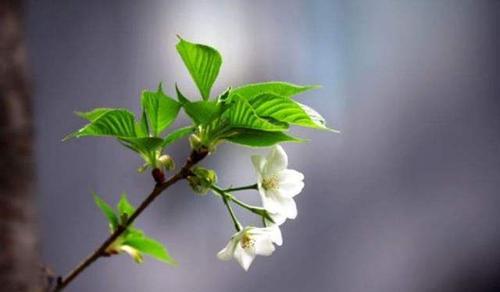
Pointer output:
x,y
249,242
277,184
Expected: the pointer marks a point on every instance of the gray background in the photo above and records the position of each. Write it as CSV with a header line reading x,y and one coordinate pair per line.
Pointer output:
x,y
406,199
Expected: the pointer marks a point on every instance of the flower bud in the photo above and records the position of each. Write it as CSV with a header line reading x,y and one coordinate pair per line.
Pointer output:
x,y
166,162
202,179
195,142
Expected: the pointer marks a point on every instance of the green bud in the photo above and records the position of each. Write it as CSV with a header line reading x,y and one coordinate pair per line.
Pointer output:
x,y
166,162
202,179
195,142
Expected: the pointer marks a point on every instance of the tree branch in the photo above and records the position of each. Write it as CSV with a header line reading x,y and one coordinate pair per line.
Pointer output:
x,y
195,157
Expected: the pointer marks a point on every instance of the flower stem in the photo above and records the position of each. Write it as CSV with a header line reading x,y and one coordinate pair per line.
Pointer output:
x,y
249,187
251,208
194,158
229,197
225,198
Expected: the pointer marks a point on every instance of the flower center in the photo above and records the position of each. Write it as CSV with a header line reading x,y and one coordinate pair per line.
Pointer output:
x,y
247,242
270,183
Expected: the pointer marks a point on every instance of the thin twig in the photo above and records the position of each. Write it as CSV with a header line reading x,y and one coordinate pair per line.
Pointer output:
x,y
194,158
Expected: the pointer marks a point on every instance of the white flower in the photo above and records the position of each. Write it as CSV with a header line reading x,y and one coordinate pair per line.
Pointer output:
x,y
249,242
277,184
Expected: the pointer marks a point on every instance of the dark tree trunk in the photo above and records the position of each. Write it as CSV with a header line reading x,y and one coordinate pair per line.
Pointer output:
x,y
19,270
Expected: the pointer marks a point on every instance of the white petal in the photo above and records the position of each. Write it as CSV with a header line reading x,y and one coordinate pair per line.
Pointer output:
x,y
258,163
271,232
264,247
290,175
275,234
276,160
278,219
288,207
227,252
290,188
271,202
243,257
261,190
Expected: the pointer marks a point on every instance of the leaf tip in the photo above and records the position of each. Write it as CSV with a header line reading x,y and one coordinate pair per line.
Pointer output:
x,y
314,86
79,114
69,136
160,87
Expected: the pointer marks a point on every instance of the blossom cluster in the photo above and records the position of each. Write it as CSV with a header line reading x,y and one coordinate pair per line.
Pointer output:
x,y
277,186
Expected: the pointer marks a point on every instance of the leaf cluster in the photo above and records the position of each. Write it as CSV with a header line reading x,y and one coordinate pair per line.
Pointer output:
x,y
255,115
133,241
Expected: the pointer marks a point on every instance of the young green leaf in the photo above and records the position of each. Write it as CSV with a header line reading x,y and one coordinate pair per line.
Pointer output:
x,y
108,211
115,123
315,116
241,115
161,110
279,88
152,248
176,135
202,62
143,144
95,113
256,138
223,97
286,110
124,206
142,127
134,232
201,112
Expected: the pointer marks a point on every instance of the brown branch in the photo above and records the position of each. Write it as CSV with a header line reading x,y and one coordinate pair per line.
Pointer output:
x,y
194,158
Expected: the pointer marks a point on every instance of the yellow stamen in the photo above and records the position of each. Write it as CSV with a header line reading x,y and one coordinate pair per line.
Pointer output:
x,y
270,183
247,242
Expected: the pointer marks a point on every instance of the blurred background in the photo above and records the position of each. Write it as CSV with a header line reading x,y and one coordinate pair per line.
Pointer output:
x,y
405,199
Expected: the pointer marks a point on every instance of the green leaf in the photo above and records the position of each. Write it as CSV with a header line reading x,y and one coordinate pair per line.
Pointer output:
x,y
202,62
286,110
108,211
241,115
279,88
134,232
152,248
316,117
176,135
161,110
115,123
142,127
223,97
256,138
143,144
147,147
201,112
95,113
124,206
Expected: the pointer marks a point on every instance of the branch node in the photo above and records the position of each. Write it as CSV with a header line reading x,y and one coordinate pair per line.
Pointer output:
x,y
158,176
